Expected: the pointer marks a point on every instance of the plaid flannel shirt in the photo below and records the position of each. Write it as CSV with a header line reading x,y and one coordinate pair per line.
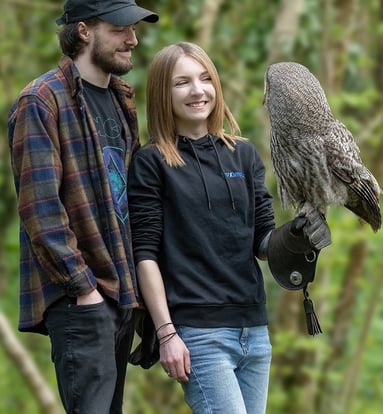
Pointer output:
x,y
70,240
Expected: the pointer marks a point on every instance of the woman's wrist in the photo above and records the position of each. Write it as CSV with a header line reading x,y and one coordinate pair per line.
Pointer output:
x,y
166,338
165,329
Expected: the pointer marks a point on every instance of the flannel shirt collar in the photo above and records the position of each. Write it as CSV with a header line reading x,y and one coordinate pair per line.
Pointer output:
x,y
73,77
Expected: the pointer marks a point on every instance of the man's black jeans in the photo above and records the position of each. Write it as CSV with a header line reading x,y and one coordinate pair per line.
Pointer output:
x,y
90,349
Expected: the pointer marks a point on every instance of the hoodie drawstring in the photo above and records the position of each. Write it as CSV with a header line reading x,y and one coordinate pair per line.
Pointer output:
x,y
201,171
223,173
203,176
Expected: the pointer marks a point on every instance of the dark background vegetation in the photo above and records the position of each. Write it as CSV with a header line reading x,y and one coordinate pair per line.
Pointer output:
x,y
341,41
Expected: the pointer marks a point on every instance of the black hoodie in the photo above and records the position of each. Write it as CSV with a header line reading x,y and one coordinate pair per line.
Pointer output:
x,y
203,223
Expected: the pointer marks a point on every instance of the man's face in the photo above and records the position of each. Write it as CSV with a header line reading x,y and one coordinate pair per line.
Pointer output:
x,y
111,48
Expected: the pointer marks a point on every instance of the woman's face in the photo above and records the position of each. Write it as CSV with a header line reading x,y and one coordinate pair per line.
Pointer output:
x,y
193,96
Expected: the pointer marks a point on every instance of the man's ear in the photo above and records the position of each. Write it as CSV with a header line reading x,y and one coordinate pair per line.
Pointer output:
x,y
83,31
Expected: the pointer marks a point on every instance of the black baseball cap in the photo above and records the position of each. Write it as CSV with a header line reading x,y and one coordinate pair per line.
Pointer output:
x,y
116,12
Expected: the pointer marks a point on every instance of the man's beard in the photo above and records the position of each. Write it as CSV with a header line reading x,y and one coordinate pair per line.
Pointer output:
x,y
107,62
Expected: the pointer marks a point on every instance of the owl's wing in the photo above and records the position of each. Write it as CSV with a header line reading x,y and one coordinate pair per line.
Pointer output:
x,y
345,163
342,153
278,158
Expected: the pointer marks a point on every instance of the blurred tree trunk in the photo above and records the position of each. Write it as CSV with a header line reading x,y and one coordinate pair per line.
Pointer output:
x,y
336,43
285,30
209,16
30,373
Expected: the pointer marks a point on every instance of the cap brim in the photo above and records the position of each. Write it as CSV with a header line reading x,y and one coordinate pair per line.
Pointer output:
x,y
129,15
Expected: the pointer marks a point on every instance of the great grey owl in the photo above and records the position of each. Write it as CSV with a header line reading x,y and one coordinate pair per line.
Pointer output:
x,y
315,157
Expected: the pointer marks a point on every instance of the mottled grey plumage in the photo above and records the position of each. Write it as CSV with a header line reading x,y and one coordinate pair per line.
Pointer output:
x,y
315,157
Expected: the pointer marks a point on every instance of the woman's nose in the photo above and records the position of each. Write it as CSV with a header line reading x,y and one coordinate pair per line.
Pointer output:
x,y
197,88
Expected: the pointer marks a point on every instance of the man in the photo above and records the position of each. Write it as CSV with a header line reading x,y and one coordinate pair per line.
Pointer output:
x,y
72,132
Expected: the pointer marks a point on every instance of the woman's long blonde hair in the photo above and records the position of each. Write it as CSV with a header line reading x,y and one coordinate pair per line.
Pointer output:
x,y
160,118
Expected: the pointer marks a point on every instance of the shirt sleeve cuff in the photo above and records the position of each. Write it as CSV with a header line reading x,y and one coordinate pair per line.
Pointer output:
x,y
81,284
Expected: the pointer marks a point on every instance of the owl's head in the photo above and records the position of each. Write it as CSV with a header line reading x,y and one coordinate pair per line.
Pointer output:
x,y
294,95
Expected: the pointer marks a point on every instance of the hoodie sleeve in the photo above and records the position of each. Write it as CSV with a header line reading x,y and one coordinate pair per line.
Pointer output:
x,y
145,204
264,213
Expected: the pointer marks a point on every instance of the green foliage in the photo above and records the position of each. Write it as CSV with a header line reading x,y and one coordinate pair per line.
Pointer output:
x,y
140,396
240,47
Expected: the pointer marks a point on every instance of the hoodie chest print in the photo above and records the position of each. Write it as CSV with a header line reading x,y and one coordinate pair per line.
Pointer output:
x,y
234,174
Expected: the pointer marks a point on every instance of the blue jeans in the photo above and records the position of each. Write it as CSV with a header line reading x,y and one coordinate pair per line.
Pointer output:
x,y
229,369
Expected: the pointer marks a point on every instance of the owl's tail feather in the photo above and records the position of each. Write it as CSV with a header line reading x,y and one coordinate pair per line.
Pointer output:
x,y
312,322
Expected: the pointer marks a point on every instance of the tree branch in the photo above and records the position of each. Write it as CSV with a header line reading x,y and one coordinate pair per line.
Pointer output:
x,y
24,363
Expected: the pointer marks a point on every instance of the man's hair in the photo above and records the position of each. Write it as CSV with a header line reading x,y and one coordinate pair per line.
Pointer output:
x,y
70,41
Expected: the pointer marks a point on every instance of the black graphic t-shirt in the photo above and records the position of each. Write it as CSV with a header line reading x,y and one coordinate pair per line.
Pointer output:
x,y
113,145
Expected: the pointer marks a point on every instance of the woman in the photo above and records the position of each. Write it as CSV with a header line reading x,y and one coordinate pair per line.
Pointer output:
x,y
200,212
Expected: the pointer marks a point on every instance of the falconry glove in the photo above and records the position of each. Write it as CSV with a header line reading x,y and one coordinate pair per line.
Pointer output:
x,y
293,251
314,226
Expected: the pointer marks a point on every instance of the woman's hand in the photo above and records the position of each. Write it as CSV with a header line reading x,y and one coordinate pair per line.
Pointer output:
x,y
175,357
